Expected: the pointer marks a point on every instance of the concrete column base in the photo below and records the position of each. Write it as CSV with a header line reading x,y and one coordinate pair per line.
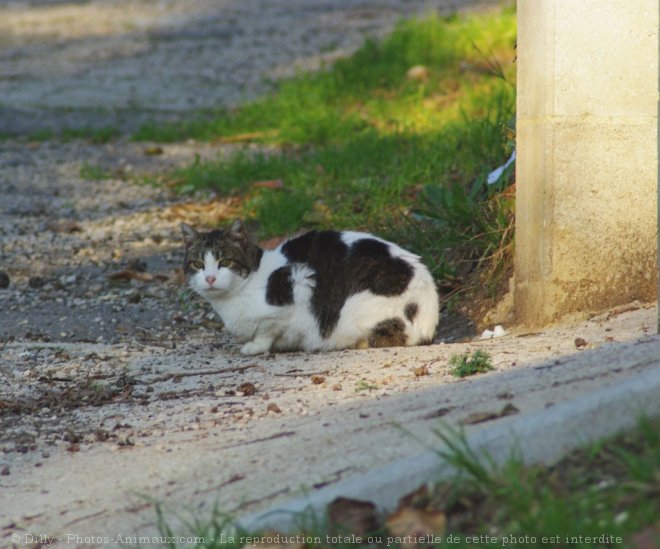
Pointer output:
x,y
587,156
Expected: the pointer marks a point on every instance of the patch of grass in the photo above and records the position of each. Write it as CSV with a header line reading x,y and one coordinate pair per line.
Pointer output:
x,y
93,172
602,495
464,365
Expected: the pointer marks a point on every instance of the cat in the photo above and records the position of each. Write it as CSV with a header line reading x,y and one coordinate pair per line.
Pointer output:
x,y
321,291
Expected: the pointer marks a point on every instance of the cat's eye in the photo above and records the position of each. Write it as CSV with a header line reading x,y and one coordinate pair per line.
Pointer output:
x,y
227,263
196,265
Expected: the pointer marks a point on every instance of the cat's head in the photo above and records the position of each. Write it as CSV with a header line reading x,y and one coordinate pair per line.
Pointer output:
x,y
217,263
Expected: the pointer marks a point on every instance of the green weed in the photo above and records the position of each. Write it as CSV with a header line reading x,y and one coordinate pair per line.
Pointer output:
x,y
464,365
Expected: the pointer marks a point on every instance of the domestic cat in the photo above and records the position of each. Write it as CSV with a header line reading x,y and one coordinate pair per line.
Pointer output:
x,y
321,291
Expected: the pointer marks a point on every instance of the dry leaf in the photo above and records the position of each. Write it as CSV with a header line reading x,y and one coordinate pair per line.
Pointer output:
x,y
353,515
317,380
247,136
480,417
64,226
209,213
129,274
421,371
416,498
272,407
273,184
416,526
247,388
580,342
153,150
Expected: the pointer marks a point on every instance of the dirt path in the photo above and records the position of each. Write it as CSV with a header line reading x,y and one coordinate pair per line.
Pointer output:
x,y
111,387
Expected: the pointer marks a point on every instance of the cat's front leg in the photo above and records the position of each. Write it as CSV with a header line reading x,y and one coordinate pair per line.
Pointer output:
x,y
260,344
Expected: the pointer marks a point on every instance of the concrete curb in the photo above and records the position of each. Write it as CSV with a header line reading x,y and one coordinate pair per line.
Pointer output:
x,y
539,437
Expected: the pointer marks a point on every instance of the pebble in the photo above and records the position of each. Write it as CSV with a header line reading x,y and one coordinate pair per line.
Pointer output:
x,y
4,280
36,282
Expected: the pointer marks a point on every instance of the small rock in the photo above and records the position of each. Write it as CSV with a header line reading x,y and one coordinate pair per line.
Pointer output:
x,y
580,342
68,280
317,380
125,439
5,471
134,297
138,265
4,280
36,282
272,407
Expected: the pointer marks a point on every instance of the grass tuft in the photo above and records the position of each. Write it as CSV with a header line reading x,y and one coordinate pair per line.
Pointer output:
x,y
465,364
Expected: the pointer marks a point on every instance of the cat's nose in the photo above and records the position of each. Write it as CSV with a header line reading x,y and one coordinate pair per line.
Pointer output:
x,y
210,279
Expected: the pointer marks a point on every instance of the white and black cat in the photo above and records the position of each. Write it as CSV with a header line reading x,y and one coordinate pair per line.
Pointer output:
x,y
322,290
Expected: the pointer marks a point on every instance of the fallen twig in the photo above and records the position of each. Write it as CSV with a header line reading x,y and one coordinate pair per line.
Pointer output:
x,y
173,375
301,374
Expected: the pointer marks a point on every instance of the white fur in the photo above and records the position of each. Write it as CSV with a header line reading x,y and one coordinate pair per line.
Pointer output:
x,y
241,304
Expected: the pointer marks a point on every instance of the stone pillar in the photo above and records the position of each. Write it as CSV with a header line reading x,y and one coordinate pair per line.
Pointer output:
x,y
587,156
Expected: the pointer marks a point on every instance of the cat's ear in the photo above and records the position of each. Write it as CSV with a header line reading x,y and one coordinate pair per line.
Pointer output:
x,y
189,234
238,230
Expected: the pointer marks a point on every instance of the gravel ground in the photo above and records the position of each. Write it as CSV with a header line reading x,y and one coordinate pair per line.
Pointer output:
x,y
103,368
64,238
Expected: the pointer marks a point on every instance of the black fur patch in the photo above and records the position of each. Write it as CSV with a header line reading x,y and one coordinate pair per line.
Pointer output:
x,y
342,271
280,288
388,333
377,270
411,311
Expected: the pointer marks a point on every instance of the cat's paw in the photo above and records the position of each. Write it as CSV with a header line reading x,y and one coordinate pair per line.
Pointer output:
x,y
255,347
